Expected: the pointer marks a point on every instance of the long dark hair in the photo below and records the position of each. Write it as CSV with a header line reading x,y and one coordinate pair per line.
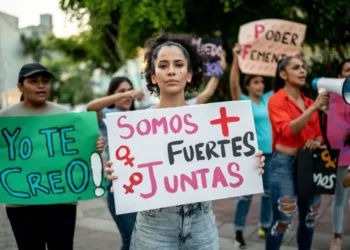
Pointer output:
x,y
114,85
281,66
246,81
341,65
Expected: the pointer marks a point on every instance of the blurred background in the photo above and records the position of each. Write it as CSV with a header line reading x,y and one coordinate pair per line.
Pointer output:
x,y
86,42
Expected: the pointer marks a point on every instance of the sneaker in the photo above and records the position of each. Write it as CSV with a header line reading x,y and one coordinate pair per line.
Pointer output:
x,y
262,232
335,244
239,240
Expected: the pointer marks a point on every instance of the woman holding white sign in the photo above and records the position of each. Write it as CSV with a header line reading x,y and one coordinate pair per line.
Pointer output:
x,y
254,85
173,67
295,123
120,97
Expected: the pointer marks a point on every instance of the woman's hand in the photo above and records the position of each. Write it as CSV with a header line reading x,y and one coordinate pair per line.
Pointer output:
x,y
134,94
321,101
108,170
99,144
259,154
236,50
311,144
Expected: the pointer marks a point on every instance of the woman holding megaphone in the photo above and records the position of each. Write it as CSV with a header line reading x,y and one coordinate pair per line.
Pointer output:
x,y
295,124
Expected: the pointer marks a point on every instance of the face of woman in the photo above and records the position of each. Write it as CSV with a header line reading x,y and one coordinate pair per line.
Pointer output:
x,y
345,70
171,71
36,89
124,103
294,72
256,86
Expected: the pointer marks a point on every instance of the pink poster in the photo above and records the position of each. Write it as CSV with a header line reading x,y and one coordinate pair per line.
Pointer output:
x,y
265,42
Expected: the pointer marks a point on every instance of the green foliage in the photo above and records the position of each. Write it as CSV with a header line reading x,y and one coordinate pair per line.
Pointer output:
x,y
71,83
118,27
33,47
75,91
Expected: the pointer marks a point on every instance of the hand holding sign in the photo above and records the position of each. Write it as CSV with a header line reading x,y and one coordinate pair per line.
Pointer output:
x,y
50,159
198,157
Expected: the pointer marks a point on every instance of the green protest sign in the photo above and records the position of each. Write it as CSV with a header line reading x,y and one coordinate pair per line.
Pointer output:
x,y
50,159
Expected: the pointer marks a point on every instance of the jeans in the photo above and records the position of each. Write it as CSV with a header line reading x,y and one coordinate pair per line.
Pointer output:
x,y
243,202
125,222
339,200
186,227
285,203
36,227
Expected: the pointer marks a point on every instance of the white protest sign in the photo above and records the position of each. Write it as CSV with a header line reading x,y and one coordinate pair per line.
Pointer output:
x,y
265,42
175,156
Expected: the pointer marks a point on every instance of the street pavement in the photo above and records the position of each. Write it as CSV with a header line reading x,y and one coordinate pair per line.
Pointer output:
x,y
96,230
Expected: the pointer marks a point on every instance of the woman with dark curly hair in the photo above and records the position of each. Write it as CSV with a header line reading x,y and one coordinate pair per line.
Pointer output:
x,y
173,67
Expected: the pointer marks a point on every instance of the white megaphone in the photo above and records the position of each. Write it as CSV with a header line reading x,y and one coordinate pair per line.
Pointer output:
x,y
339,86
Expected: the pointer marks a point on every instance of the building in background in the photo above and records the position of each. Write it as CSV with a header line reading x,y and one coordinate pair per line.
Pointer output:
x,y
42,30
11,53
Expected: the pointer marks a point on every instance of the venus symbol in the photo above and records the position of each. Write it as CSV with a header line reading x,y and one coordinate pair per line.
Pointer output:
x,y
96,167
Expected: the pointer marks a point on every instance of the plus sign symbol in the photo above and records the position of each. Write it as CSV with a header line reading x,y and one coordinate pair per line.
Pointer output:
x,y
224,120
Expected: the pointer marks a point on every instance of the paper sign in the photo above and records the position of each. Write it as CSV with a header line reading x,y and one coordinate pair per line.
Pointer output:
x,y
50,159
265,42
175,156
211,51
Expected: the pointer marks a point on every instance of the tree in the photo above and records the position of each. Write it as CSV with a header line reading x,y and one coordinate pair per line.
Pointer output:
x,y
33,47
128,24
133,21
71,83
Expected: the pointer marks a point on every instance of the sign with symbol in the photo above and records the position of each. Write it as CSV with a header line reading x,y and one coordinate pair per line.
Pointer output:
x,y
265,42
175,156
316,172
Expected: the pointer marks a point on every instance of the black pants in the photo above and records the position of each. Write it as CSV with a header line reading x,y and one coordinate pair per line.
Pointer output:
x,y
36,227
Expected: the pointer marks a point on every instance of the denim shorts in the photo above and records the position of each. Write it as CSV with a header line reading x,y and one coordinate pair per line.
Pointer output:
x,y
190,227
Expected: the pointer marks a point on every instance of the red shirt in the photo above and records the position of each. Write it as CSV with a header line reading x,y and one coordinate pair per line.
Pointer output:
x,y
282,110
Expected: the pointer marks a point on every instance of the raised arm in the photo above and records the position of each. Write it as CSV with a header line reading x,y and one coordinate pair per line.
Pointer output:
x,y
209,91
99,104
235,88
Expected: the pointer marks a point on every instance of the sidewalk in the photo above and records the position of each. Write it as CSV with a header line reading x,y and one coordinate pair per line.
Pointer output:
x,y
96,230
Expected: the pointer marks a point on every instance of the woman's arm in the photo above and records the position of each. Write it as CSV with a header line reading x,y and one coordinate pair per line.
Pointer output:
x,y
297,125
209,91
235,88
99,104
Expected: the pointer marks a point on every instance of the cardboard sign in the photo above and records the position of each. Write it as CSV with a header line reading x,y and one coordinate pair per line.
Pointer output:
x,y
175,156
50,159
265,42
316,172
211,51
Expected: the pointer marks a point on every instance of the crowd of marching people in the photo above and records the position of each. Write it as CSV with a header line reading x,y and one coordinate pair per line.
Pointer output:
x,y
285,120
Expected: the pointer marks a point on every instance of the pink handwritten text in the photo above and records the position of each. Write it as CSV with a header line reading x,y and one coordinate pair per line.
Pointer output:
x,y
195,180
145,127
